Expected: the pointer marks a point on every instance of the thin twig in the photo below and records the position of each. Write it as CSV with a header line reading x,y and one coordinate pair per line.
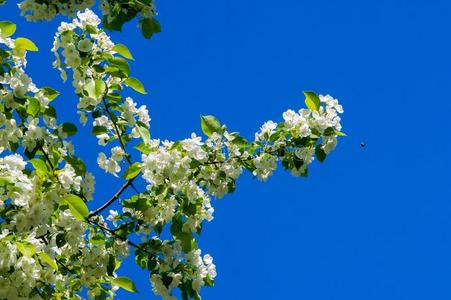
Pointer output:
x,y
112,199
113,233
116,128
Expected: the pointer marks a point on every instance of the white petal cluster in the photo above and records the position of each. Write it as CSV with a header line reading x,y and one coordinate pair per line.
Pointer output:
x,y
297,123
111,165
202,269
265,164
41,240
46,10
69,179
266,131
181,177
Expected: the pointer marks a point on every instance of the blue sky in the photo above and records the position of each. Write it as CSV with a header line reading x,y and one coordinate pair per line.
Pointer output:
x,y
369,223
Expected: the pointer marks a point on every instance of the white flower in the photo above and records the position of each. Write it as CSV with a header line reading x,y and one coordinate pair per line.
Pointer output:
x,y
88,17
113,217
265,164
108,164
193,147
267,129
117,153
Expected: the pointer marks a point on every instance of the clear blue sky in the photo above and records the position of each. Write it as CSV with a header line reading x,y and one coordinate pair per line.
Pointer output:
x,y
371,223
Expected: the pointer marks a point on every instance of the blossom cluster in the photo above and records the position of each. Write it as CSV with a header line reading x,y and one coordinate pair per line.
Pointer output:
x,y
183,176
51,246
45,250
46,10
115,13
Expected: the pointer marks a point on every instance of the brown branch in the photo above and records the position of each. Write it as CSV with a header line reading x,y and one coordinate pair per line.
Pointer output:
x,y
114,234
112,199
116,129
47,157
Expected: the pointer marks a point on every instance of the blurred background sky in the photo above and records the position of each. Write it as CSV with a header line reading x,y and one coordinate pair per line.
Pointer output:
x,y
369,223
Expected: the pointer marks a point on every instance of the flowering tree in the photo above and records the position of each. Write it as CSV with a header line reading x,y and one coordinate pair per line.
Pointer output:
x,y
52,246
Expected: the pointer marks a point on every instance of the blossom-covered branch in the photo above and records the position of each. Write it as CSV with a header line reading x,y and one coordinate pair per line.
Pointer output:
x,y
42,182
51,246
115,12
181,176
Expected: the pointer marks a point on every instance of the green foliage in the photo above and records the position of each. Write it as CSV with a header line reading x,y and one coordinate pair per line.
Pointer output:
x,y
26,248
210,125
135,84
48,260
40,166
50,93
77,207
187,240
132,171
312,101
320,154
125,283
25,44
99,88
69,129
123,50
7,28
33,107
143,132
97,130
150,27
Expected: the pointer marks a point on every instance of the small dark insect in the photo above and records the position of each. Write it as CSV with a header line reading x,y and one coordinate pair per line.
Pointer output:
x,y
362,144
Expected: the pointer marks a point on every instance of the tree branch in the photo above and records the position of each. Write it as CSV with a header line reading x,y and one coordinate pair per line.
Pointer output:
x,y
112,199
114,234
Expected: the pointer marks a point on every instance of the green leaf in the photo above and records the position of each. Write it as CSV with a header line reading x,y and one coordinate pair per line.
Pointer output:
x,y
149,27
312,101
297,162
111,265
123,50
240,141
120,64
4,181
99,88
27,249
187,240
125,283
50,93
91,29
89,88
97,130
210,125
47,259
320,154
339,133
33,107
50,112
143,147
77,207
143,132
40,166
208,281
60,240
135,84
69,129
132,171
7,28
97,239
25,44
